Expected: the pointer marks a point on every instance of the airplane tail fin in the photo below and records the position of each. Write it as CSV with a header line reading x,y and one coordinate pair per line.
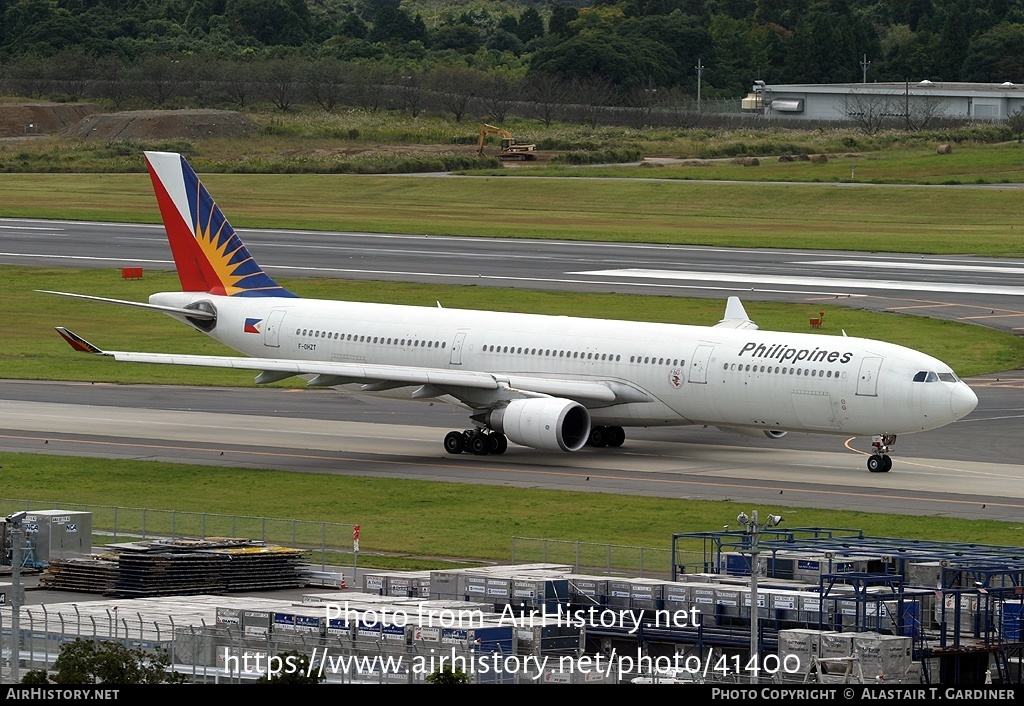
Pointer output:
x,y
208,254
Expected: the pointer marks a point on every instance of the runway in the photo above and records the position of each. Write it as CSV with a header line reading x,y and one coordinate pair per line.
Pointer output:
x,y
988,291
970,469
959,471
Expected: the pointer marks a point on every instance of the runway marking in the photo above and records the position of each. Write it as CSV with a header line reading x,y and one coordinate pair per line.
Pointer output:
x,y
912,265
30,228
727,483
989,419
990,316
822,282
936,305
85,257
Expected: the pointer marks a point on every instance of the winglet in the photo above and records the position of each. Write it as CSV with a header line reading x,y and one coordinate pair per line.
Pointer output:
x,y
736,316
77,342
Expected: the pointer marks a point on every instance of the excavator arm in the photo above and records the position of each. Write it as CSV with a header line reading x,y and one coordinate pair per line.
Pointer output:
x,y
486,130
510,149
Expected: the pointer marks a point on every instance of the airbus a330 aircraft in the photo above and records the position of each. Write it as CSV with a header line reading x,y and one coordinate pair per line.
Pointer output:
x,y
546,382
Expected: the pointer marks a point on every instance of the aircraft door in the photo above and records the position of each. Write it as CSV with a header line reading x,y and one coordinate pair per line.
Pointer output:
x,y
699,365
867,381
456,358
272,332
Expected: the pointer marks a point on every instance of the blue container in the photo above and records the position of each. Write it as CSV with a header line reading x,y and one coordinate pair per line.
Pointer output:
x,y
1013,620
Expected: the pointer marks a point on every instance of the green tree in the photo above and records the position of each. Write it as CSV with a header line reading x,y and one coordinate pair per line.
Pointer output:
x,y
88,662
996,55
1015,121
447,675
35,677
531,25
560,18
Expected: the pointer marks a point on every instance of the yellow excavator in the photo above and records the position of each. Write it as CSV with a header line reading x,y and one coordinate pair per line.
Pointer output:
x,y
511,151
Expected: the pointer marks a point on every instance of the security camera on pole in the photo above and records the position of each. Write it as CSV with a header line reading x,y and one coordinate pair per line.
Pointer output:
x,y
753,529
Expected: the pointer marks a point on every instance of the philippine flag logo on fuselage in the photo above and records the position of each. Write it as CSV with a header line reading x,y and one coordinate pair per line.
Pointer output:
x,y
252,325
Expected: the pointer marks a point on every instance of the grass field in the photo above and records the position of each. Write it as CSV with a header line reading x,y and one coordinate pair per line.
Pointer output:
x,y
967,164
422,518
975,221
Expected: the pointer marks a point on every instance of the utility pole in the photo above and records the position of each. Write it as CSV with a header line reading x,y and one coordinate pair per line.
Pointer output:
x,y
700,71
754,528
864,64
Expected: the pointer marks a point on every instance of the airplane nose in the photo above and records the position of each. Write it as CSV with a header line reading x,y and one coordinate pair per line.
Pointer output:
x,y
962,400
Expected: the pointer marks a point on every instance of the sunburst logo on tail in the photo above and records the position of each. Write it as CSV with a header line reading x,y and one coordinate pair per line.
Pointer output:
x,y
207,252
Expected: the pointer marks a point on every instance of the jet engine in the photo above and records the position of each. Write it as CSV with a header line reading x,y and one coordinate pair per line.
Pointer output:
x,y
548,423
756,433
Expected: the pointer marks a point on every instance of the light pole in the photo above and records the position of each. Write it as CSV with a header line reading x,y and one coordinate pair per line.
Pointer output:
x,y
753,529
700,72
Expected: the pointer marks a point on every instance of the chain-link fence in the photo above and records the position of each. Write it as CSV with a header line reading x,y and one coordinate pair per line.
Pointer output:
x,y
589,557
226,653
329,543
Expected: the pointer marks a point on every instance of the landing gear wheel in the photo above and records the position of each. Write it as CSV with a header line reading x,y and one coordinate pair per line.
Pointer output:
x,y
598,437
479,444
498,443
455,442
618,436
879,463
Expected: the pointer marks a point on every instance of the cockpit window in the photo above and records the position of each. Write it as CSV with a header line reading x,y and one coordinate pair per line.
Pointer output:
x,y
929,376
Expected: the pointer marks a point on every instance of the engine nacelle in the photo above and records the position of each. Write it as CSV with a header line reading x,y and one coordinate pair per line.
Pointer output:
x,y
756,433
548,423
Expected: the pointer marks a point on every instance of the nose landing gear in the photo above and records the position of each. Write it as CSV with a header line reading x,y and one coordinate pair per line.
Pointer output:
x,y
879,461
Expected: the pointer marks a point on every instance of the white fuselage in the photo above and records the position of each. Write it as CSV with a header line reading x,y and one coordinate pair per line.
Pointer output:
x,y
719,376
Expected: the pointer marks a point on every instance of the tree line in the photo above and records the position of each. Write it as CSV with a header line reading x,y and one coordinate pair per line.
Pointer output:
x,y
626,45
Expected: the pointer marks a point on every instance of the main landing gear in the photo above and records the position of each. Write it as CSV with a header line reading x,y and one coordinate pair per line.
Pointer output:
x,y
606,436
879,461
477,441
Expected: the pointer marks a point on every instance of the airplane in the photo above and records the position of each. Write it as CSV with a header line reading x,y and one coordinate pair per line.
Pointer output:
x,y
554,383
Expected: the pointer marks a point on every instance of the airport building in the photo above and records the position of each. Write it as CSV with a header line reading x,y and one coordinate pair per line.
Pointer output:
x,y
919,101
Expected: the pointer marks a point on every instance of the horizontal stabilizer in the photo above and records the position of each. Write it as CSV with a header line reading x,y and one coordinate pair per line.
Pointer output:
x,y
77,342
190,313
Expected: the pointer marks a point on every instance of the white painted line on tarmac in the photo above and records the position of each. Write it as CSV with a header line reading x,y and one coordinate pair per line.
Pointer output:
x,y
822,282
915,266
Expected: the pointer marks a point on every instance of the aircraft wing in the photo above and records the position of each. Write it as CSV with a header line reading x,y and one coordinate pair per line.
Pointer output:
x,y
433,382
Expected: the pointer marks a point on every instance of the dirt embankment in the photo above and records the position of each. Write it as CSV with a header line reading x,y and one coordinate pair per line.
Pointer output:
x,y
33,119
163,125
